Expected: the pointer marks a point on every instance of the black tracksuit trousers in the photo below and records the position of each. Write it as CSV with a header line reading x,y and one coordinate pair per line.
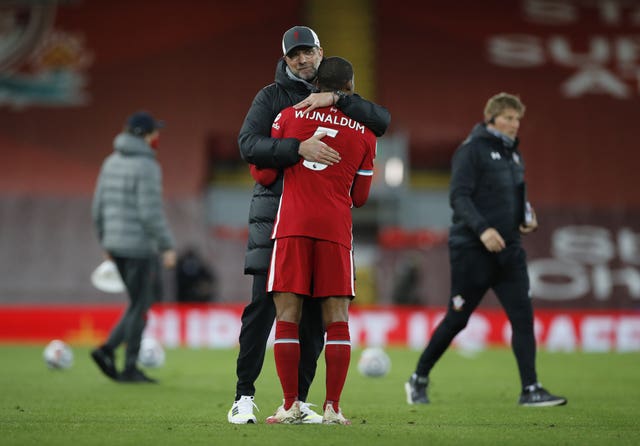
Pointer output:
x,y
141,277
257,320
473,271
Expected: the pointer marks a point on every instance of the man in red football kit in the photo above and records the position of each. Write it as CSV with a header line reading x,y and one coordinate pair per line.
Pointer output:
x,y
313,256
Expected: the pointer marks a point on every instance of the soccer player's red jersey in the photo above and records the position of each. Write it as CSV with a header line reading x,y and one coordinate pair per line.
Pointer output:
x,y
316,199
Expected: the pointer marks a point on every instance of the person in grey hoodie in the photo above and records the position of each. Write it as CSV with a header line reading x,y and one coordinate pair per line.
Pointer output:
x,y
128,215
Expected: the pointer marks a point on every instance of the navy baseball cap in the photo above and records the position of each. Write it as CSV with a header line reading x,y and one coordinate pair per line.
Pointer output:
x,y
299,36
142,123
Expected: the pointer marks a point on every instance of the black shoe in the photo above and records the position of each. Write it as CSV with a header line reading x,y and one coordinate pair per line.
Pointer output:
x,y
105,361
135,375
537,396
416,389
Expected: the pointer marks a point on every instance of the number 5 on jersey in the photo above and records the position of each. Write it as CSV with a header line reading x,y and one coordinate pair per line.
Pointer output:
x,y
315,165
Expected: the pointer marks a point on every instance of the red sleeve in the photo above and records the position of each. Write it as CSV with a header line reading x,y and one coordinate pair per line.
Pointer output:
x,y
360,190
265,176
362,182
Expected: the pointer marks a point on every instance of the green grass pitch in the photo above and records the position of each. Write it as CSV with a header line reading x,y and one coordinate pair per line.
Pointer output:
x,y
473,402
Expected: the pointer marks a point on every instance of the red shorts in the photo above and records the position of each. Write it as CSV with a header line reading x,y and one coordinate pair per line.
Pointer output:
x,y
311,267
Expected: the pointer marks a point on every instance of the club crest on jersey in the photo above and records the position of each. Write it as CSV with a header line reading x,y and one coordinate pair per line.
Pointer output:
x,y
516,158
314,165
495,156
457,302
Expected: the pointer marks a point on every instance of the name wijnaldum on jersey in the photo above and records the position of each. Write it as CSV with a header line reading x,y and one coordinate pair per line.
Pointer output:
x,y
330,118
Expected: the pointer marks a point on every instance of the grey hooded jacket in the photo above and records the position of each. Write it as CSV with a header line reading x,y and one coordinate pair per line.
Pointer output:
x,y
127,205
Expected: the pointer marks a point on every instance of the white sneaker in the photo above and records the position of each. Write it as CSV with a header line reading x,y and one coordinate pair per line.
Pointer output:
x,y
308,415
333,417
291,416
242,411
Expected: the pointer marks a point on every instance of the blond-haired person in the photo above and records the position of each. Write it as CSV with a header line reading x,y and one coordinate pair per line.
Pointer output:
x,y
490,214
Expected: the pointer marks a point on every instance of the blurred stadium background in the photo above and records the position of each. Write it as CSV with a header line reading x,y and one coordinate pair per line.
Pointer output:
x,y
71,71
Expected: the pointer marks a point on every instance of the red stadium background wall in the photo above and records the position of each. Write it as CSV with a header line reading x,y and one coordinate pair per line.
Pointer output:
x,y
199,64
218,326
194,64
574,63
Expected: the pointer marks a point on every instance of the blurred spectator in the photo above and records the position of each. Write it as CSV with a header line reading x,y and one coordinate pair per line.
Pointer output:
x,y
195,280
406,281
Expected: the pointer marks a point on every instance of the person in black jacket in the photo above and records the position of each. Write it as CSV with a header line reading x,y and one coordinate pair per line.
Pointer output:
x,y
293,86
490,212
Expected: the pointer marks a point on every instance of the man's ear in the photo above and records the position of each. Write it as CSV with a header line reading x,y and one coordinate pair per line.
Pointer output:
x,y
348,87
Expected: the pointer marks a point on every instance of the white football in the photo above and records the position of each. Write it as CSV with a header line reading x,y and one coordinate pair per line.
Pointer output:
x,y
58,355
374,362
151,353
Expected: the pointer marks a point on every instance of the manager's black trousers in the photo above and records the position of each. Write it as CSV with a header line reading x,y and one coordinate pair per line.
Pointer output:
x,y
473,271
257,320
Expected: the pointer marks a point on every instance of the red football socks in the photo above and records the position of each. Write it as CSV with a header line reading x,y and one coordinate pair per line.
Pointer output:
x,y
337,354
287,354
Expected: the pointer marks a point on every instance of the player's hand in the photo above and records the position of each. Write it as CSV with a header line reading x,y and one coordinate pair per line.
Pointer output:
x,y
169,258
532,226
313,149
492,240
315,100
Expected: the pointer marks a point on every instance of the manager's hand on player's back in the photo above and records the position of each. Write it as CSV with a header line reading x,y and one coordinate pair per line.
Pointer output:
x,y
313,149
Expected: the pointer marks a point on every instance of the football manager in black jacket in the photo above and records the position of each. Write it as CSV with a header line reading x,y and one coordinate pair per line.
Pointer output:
x,y
490,212
295,74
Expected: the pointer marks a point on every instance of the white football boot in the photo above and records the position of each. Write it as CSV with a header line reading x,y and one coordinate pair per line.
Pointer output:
x,y
308,415
333,417
282,416
242,411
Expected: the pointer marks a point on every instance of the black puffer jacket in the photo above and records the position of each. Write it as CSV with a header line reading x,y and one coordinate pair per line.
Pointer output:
x,y
487,189
257,147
